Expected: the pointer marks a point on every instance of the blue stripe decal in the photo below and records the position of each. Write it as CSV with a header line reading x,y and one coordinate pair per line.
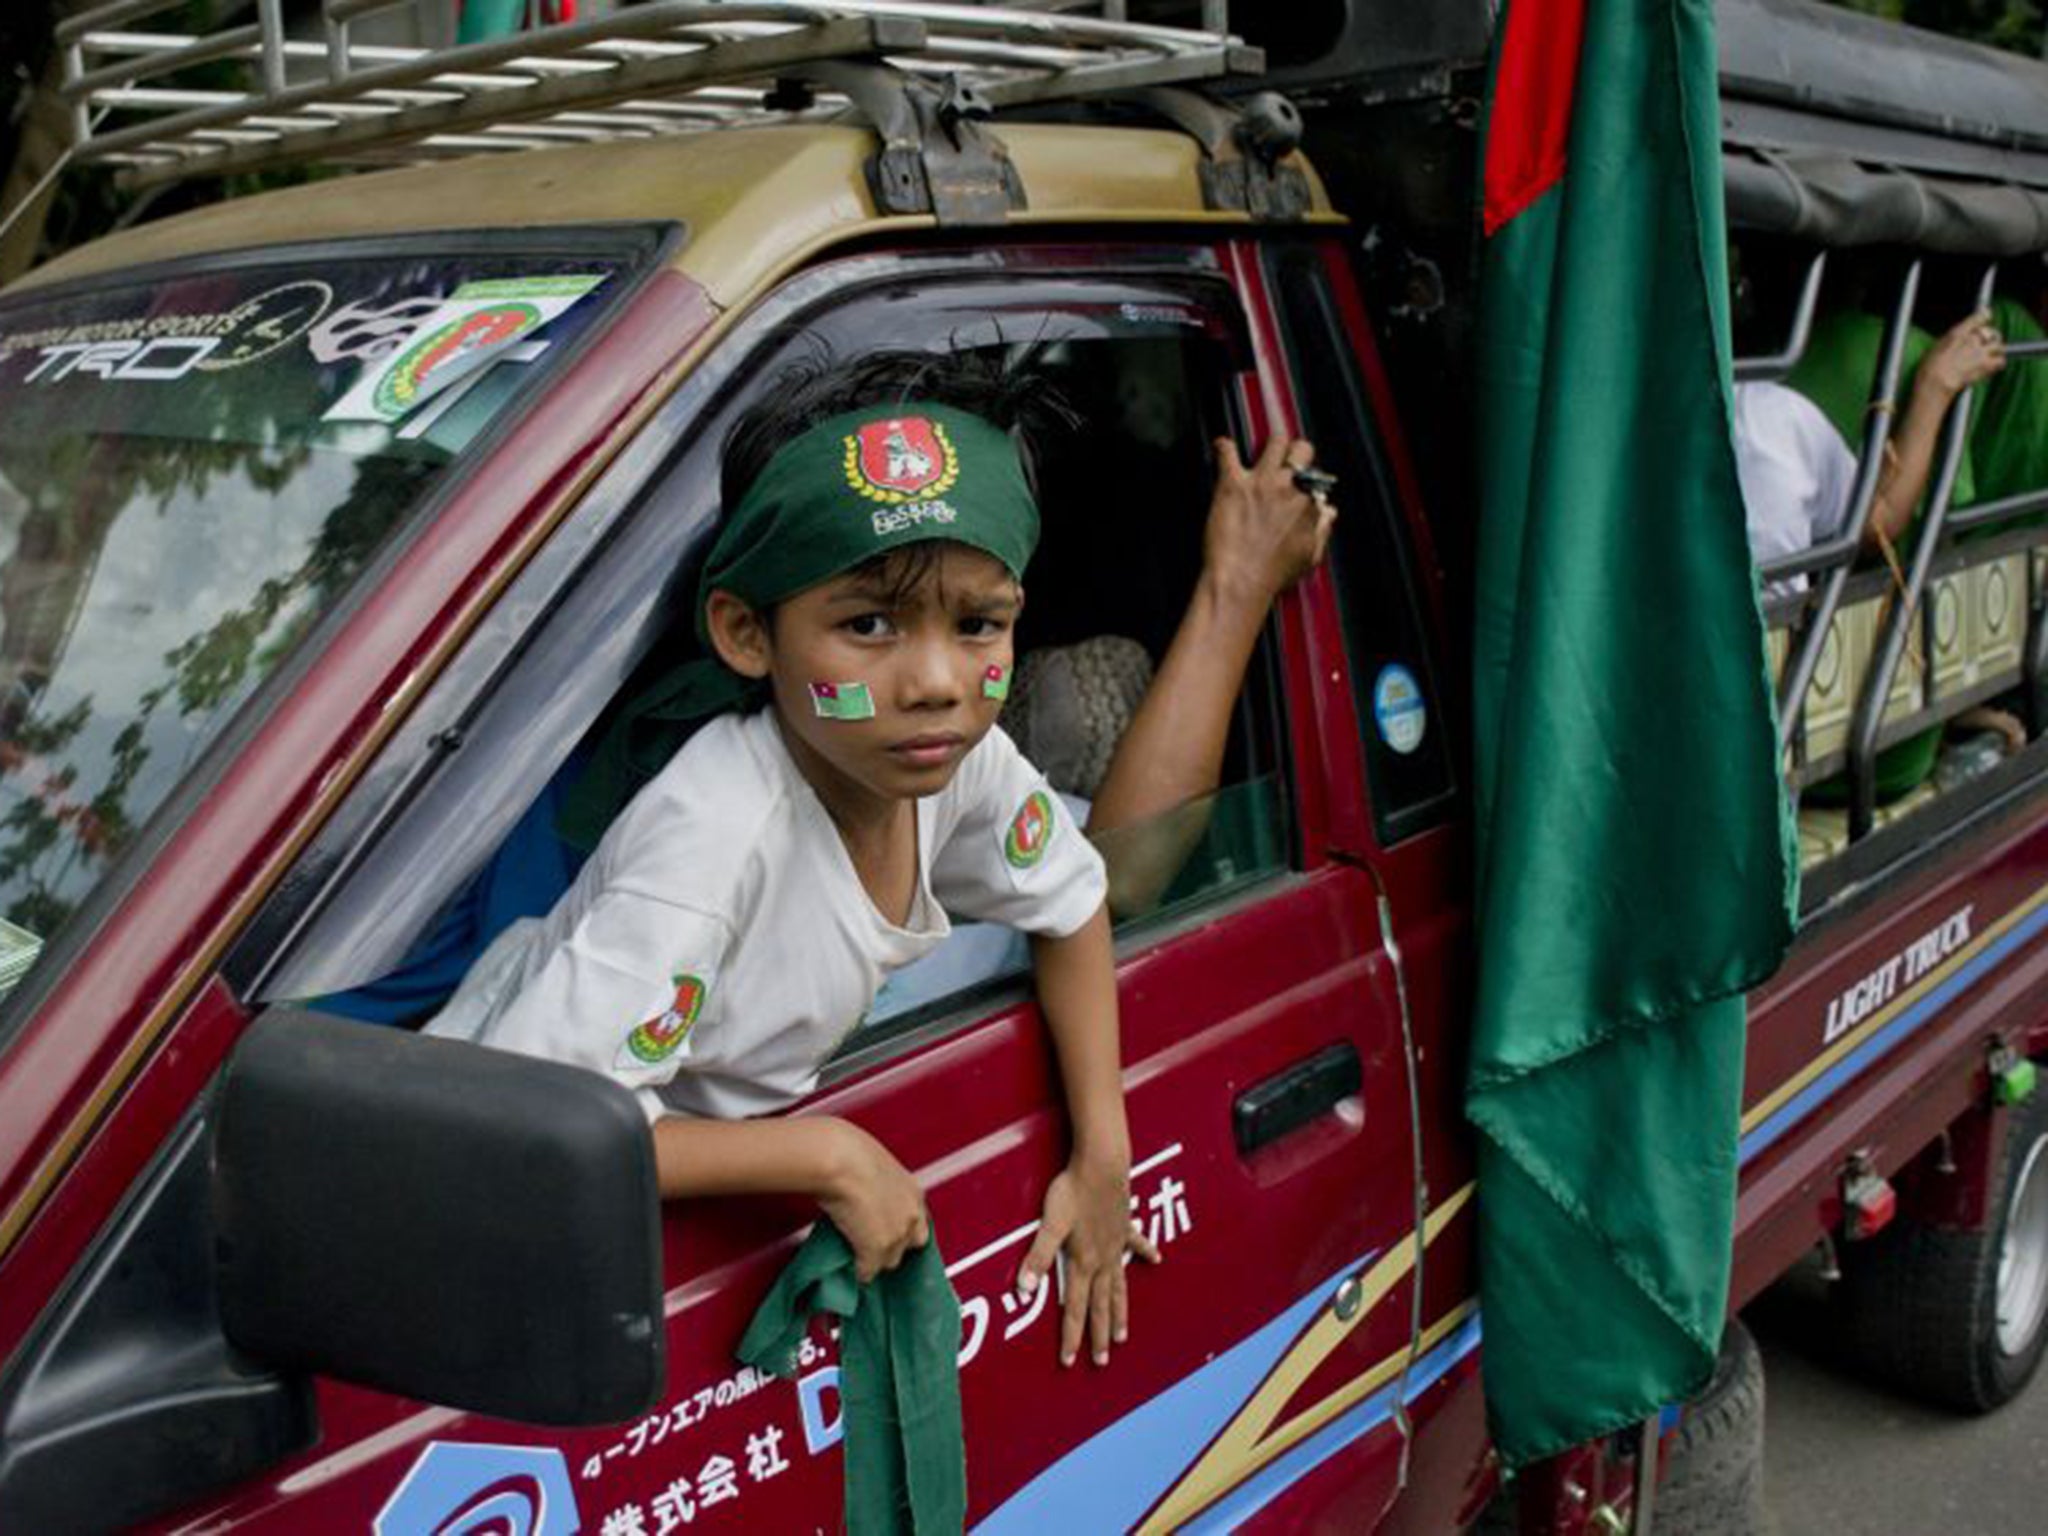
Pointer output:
x,y
1256,1492
1803,1103
1108,1482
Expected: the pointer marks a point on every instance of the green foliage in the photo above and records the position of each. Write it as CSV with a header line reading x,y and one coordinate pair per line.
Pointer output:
x,y
89,200
2015,25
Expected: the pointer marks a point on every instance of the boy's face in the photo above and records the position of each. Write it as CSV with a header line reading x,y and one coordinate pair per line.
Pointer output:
x,y
922,655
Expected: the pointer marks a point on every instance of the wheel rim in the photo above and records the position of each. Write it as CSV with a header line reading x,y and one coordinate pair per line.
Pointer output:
x,y
2023,1257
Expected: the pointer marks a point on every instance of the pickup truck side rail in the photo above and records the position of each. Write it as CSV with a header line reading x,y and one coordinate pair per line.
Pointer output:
x,y
1833,559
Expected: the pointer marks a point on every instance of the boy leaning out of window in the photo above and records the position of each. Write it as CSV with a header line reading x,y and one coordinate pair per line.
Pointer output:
x,y
847,790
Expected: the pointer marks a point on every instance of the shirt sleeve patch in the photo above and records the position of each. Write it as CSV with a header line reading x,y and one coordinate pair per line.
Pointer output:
x,y
655,1040
1030,831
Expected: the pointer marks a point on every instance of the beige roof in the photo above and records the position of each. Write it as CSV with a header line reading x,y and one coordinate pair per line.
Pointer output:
x,y
756,201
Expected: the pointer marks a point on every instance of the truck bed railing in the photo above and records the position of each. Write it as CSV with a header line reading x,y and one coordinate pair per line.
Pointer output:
x,y
1894,661
669,67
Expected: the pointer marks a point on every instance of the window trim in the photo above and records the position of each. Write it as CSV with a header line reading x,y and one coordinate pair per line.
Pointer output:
x,y
587,562
1392,824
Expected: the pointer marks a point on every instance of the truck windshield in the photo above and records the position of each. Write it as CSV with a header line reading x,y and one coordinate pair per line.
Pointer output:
x,y
192,471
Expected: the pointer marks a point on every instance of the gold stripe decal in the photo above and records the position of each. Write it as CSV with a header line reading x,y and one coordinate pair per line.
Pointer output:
x,y
1249,1441
1778,1097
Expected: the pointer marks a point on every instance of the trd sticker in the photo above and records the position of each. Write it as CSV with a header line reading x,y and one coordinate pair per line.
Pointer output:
x,y
155,360
457,1489
1030,831
1398,710
270,322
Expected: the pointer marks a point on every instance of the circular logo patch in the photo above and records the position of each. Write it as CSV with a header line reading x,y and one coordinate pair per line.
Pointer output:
x,y
1030,831
408,374
1397,709
662,1036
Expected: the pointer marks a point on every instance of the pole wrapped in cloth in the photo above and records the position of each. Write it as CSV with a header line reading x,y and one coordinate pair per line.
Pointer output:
x,y
1636,868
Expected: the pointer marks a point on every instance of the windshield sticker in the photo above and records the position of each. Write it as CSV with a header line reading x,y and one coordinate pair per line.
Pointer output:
x,y
461,1488
269,322
456,339
363,332
1397,708
155,348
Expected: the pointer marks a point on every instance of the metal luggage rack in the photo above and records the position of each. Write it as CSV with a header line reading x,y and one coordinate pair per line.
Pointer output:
x,y
668,67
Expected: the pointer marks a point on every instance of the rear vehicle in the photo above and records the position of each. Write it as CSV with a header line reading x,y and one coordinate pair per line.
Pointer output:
x,y
299,618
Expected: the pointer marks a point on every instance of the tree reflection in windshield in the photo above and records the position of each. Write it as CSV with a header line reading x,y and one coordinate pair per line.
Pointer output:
x,y
69,784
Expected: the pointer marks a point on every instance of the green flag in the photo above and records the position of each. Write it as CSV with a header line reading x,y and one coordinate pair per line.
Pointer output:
x,y
1635,858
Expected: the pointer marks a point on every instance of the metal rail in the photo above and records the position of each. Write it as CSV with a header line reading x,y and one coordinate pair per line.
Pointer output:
x,y
1877,681
643,70
1777,364
1812,635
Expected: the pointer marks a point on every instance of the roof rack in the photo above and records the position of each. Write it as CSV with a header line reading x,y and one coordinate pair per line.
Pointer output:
x,y
662,68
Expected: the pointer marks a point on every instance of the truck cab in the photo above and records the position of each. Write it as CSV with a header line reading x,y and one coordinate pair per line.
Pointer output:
x,y
297,635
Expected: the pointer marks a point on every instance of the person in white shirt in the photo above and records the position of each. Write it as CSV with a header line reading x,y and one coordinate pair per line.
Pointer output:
x,y
1797,472
848,791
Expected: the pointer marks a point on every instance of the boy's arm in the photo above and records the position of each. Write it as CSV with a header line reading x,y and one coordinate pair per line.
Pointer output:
x,y
866,1192
1087,1214
1264,533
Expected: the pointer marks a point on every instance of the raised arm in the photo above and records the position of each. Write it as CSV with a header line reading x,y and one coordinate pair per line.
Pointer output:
x,y
1264,533
1965,355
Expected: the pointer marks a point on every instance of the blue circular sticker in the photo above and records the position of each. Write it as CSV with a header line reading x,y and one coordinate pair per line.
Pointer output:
x,y
1397,708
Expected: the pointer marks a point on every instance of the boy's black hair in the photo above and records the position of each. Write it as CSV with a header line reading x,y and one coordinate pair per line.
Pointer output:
x,y
999,384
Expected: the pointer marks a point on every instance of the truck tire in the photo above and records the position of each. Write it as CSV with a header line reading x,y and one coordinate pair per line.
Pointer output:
x,y
1713,1483
1960,1318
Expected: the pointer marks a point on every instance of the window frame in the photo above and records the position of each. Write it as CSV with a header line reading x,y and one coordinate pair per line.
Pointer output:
x,y
595,563
1379,509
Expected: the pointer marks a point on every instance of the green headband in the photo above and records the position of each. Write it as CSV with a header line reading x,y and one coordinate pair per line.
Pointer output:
x,y
850,488
864,483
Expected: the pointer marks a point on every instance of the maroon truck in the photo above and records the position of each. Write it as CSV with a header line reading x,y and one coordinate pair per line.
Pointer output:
x,y
280,672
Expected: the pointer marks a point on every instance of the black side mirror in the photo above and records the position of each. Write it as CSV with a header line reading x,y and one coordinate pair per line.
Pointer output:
x,y
439,1220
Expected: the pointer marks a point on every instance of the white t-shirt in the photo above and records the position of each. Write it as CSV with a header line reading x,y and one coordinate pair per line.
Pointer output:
x,y
1796,474
719,944
973,953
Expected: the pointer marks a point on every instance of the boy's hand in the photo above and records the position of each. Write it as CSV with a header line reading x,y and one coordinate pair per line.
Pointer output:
x,y
1264,532
873,1201
1087,1221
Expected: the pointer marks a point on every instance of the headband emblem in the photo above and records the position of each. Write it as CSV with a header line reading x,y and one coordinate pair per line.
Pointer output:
x,y
901,458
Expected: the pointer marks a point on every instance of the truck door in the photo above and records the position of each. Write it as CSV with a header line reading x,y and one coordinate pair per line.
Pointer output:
x,y
1269,1097
1403,824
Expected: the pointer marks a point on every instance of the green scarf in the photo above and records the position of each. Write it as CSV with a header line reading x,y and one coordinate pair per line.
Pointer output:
x,y
899,1379
844,491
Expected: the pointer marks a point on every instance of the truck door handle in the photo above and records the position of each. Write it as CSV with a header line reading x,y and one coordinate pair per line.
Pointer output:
x,y
1269,1110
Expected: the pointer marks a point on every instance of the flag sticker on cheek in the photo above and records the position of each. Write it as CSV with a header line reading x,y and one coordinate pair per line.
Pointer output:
x,y
842,701
653,1042
995,683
